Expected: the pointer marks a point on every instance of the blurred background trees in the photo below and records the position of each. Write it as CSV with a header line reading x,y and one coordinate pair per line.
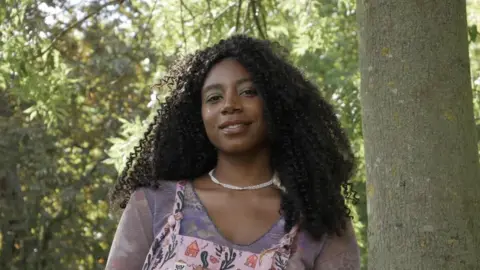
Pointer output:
x,y
75,96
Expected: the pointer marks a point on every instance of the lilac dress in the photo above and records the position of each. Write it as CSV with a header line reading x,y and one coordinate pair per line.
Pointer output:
x,y
146,219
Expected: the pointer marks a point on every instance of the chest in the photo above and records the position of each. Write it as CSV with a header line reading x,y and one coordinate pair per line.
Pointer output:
x,y
238,220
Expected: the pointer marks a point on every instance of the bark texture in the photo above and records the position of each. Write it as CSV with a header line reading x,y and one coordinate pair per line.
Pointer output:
x,y
423,175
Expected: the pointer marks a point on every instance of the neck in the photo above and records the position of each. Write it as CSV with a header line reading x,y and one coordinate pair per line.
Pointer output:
x,y
244,170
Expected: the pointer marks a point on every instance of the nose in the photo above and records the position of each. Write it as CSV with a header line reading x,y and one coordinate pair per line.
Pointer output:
x,y
232,103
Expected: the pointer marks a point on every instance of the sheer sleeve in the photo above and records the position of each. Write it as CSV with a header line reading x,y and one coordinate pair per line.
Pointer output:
x,y
340,252
133,236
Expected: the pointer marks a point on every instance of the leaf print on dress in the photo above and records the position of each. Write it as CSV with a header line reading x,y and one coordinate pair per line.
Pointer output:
x,y
204,258
227,262
219,251
280,262
146,265
171,252
156,246
179,204
155,255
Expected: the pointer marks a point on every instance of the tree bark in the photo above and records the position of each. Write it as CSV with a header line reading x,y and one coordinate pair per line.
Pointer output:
x,y
423,176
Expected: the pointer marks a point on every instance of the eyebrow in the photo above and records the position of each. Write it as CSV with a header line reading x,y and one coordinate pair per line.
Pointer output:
x,y
218,85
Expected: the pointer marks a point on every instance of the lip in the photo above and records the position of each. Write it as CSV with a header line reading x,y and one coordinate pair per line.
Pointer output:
x,y
230,123
237,127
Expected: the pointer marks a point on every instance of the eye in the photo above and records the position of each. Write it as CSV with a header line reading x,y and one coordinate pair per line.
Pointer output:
x,y
213,98
249,92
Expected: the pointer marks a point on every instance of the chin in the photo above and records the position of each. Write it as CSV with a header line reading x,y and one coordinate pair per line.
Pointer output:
x,y
240,147
235,149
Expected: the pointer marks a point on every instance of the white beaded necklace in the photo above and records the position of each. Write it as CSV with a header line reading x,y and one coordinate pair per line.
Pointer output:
x,y
272,181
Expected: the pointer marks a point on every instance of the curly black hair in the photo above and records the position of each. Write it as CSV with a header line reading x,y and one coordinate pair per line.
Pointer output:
x,y
309,150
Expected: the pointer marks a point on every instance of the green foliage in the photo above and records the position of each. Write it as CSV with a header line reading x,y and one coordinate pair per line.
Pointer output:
x,y
62,95
130,135
75,98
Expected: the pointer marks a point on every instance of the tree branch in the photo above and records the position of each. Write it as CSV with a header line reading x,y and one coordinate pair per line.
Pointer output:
x,y
213,19
149,20
209,7
77,23
237,21
257,21
188,9
183,27
246,16
262,11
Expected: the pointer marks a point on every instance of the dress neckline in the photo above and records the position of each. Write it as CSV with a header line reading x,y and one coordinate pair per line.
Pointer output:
x,y
280,222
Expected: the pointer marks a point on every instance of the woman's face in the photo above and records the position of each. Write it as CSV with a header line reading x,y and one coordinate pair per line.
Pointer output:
x,y
232,110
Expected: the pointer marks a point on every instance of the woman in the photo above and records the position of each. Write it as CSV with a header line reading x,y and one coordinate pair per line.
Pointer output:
x,y
242,168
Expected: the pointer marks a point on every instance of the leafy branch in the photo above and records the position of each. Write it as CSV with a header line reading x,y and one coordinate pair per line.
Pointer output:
x,y
149,19
76,24
213,19
237,21
183,26
255,12
187,9
246,16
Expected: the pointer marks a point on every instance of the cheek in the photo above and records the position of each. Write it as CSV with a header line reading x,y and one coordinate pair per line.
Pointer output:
x,y
260,116
208,119
257,109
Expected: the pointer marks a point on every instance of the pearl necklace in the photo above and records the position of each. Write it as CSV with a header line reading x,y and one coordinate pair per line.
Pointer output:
x,y
272,181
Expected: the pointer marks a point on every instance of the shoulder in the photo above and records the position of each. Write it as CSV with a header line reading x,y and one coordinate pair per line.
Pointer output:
x,y
139,197
340,251
330,252
160,202
306,250
165,191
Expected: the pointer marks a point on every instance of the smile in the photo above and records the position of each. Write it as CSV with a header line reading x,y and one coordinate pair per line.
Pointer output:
x,y
232,129
234,126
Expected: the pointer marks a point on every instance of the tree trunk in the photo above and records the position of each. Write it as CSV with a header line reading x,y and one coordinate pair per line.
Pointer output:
x,y
423,177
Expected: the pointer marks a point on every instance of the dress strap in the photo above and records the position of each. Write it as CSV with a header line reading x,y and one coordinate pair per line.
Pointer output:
x,y
288,240
175,218
284,248
179,197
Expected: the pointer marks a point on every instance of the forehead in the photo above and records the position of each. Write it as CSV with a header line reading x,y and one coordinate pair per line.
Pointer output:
x,y
225,72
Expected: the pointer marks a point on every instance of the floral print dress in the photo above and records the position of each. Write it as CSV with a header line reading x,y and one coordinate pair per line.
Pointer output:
x,y
142,232
170,250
